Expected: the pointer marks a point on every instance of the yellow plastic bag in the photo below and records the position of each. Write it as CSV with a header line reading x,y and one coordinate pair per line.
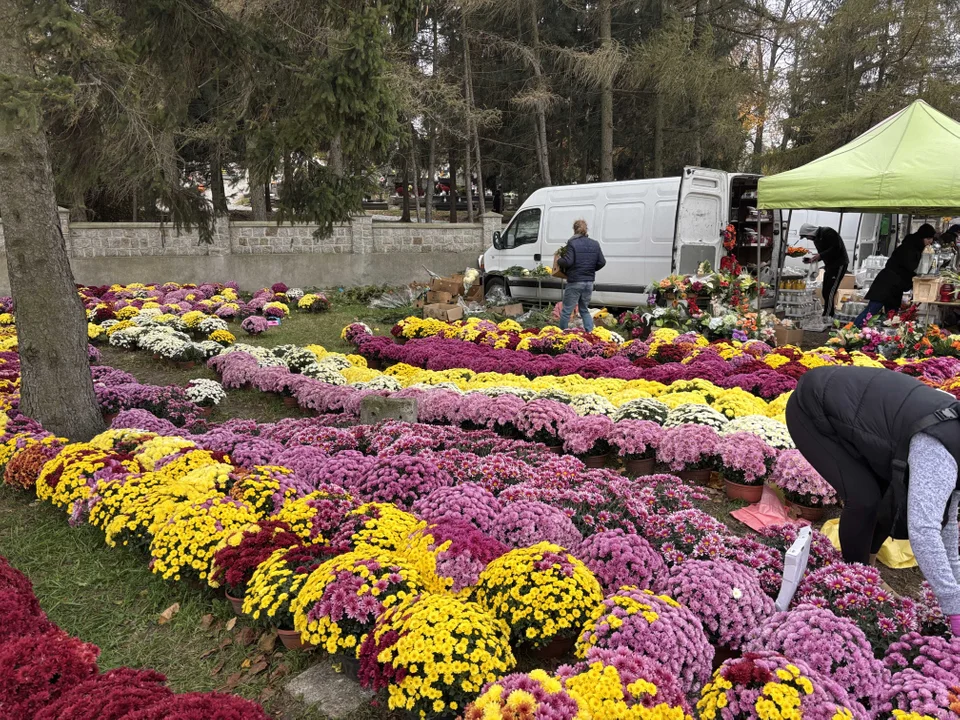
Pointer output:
x,y
895,554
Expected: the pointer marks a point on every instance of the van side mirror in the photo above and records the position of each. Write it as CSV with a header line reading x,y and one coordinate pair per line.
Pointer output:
x,y
496,240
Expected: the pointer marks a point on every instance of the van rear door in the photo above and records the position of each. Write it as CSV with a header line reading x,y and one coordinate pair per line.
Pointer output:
x,y
702,212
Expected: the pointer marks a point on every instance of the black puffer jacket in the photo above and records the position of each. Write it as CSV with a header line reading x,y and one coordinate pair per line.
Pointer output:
x,y
582,259
830,247
897,275
872,410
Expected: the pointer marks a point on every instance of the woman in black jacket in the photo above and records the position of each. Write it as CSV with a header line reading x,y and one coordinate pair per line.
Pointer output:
x,y
896,278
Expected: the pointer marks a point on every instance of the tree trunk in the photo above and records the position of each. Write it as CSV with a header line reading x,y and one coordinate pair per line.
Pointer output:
x,y
217,190
405,214
416,170
606,96
56,386
472,135
468,180
335,157
267,202
258,198
431,182
453,184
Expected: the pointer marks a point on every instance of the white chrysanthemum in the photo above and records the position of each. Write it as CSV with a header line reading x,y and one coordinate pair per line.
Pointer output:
x,y
642,409
773,432
381,382
497,391
695,414
205,392
592,404
324,373
555,394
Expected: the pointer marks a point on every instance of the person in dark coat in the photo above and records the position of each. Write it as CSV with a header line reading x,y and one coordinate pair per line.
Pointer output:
x,y
580,262
833,253
896,278
855,426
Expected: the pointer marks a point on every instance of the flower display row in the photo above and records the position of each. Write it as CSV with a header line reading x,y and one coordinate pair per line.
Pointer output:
x,y
897,338
46,674
669,356
295,546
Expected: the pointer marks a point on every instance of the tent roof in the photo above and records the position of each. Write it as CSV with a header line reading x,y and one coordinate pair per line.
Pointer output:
x,y
909,163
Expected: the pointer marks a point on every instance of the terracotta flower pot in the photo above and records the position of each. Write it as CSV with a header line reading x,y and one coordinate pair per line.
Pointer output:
x,y
289,401
643,466
555,449
108,418
806,512
206,411
186,365
374,364
596,461
696,477
736,491
235,602
292,640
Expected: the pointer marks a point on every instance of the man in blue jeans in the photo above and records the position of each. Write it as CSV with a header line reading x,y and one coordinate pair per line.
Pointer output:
x,y
580,262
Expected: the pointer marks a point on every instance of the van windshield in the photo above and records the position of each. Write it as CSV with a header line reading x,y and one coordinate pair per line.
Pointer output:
x,y
524,230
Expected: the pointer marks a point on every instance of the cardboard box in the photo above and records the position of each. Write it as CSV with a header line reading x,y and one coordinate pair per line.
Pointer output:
x,y
443,311
452,285
475,293
514,310
438,296
848,282
926,289
788,336
419,303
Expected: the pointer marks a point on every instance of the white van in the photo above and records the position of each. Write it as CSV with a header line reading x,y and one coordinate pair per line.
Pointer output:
x,y
860,232
647,229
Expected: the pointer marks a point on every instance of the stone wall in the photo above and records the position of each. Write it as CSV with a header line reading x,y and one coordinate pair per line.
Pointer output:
x,y
255,254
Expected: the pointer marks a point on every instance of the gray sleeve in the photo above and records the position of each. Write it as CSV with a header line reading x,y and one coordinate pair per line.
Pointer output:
x,y
933,480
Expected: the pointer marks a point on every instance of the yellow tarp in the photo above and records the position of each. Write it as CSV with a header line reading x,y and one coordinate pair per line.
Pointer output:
x,y
896,554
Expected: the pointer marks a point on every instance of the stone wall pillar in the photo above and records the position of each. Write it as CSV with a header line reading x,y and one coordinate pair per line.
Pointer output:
x,y
491,223
361,234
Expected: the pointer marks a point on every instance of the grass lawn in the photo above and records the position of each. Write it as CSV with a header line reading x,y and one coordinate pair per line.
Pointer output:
x,y
109,597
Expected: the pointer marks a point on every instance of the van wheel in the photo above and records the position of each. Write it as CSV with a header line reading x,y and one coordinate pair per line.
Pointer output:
x,y
495,282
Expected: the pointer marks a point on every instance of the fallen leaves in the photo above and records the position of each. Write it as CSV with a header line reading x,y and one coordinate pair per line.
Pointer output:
x,y
231,624
268,641
206,621
167,615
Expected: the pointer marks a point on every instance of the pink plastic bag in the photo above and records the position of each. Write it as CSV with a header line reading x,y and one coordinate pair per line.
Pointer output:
x,y
769,511
559,307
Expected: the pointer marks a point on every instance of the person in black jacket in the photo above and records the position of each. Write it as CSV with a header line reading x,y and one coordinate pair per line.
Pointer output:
x,y
890,446
833,253
896,278
580,262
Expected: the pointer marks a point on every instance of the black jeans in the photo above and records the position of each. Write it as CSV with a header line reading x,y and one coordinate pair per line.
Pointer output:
x,y
867,516
832,275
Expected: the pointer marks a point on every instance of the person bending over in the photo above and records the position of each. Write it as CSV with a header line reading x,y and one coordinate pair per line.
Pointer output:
x,y
580,263
890,446
896,278
833,253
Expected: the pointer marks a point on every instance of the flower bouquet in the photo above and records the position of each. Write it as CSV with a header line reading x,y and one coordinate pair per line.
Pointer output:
x,y
586,437
617,559
832,646
241,552
636,442
744,460
803,487
536,695
655,626
341,600
313,303
276,582
542,593
856,592
254,325
434,654
690,450
795,251
725,596
764,685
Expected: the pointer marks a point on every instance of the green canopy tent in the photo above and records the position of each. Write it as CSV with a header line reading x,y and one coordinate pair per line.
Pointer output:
x,y
909,163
